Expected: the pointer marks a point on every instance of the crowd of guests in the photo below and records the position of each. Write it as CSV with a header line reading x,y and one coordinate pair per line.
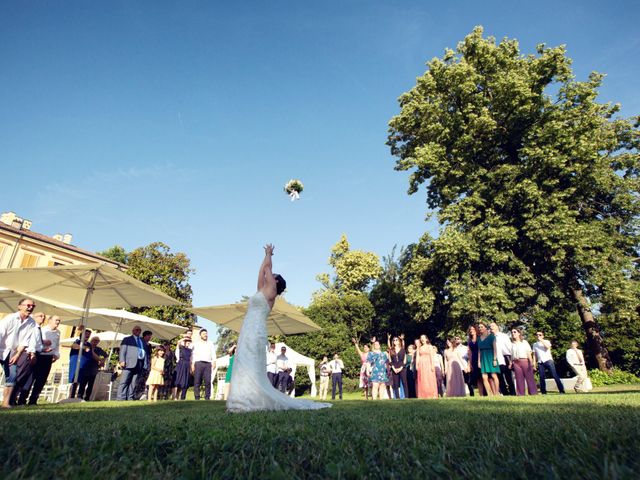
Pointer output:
x,y
30,345
279,369
166,373
490,363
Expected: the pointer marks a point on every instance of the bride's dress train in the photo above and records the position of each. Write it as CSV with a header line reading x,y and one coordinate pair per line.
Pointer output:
x,y
250,386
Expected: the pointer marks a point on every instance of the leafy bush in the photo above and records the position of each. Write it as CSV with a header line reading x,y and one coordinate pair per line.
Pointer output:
x,y
303,385
616,377
350,384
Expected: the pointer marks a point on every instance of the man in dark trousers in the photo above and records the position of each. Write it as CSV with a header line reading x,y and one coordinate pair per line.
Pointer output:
x,y
140,387
284,370
29,371
336,367
132,359
203,361
50,353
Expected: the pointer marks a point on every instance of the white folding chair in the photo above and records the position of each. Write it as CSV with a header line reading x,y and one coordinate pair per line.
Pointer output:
x,y
48,392
220,383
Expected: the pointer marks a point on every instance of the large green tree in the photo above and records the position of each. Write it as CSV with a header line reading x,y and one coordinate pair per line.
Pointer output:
x,y
156,265
534,182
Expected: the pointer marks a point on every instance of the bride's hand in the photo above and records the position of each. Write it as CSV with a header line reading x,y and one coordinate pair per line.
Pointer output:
x,y
268,249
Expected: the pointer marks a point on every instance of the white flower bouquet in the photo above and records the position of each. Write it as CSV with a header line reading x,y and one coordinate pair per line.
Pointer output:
x,y
294,188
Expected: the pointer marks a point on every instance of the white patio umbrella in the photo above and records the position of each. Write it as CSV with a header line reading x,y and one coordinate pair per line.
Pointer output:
x,y
9,304
284,319
124,321
100,285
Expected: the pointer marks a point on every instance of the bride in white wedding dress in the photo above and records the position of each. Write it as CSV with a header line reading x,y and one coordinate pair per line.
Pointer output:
x,y
250,387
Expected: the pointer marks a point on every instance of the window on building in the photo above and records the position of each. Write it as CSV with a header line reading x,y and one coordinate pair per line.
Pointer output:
x,y
29,260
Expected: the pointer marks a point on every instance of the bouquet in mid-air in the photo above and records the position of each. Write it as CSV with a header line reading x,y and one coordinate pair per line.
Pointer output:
x,y
294,189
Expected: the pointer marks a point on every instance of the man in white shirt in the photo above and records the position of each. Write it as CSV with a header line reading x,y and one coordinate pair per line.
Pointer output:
x,y
542,351
18,345
49,354
272,369
284,370
575,359
336,367
203,361
503,347
27,369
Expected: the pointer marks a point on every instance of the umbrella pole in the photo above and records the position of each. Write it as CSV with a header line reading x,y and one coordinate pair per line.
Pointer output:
x,y
112,347
85,314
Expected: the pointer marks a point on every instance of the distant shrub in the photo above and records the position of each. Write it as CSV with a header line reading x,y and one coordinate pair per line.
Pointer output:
x,y
303,385
616,377
350,384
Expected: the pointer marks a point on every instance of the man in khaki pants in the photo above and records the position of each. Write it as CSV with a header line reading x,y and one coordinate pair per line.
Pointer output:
x,y
575,359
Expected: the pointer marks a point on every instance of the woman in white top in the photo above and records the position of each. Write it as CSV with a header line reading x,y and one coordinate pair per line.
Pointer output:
x,y
522,363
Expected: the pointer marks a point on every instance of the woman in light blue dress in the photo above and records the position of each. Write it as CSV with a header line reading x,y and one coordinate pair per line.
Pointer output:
x,y
378,360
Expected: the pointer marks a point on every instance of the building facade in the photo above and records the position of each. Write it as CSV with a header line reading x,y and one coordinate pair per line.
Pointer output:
x,y
20,247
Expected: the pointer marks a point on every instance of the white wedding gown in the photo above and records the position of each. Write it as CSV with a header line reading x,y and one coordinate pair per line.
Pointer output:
x,y
250,387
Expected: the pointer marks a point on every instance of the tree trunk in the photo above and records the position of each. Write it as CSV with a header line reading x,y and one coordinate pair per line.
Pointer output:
x,y
594,339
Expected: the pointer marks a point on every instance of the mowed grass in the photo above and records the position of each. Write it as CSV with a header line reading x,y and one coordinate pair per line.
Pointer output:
x,y
553,436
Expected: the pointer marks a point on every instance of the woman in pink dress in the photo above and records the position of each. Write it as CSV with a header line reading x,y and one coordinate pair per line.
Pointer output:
x,y
427,386
365,368
453,369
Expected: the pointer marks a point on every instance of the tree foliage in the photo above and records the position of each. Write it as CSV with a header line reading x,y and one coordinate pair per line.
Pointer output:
x,y
534,182
169,272
342,308
341,318
388,297
117,253
354,270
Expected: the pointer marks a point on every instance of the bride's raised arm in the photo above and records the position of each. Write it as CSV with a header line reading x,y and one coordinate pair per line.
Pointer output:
x,y
266,282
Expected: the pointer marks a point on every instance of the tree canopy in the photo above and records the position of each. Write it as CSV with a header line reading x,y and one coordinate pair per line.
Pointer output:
x,y
354,270
534,182
156,265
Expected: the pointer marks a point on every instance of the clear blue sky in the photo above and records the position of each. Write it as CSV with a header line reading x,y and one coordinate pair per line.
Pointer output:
x,y
128,122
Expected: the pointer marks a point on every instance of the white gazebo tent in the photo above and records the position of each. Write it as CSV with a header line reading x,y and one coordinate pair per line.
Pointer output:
x,y
296,359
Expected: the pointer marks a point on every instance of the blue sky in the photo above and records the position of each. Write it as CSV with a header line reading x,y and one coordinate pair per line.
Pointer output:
x,y
131,122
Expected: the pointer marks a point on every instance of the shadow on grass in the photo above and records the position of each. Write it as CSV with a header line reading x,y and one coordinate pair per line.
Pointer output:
x,y
612,392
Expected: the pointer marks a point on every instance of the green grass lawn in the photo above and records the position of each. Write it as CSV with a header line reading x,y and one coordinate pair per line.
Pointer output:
x,y
553,436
